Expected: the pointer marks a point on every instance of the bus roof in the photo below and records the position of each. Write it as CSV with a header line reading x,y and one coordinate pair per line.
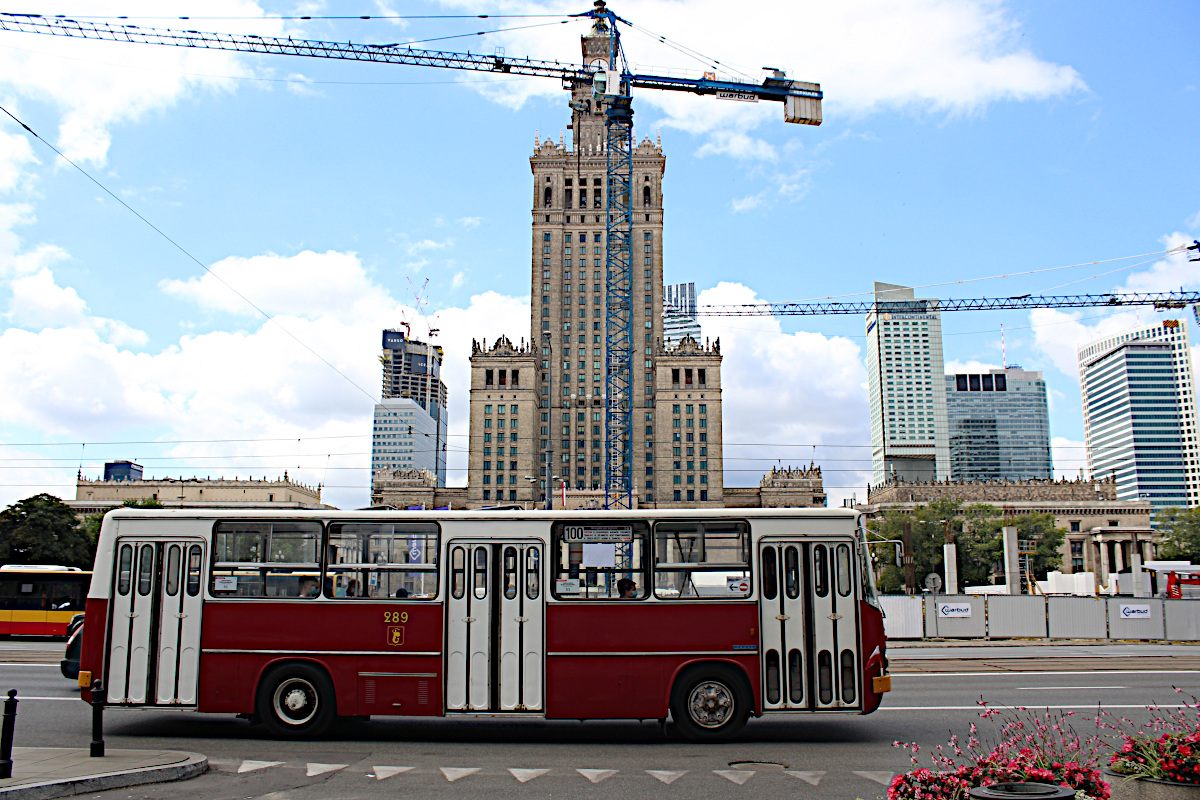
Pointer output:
x,y
483,514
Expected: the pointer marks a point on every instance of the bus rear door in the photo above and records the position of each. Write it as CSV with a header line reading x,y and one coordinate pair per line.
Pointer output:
x,y
809,625
495,622
154,642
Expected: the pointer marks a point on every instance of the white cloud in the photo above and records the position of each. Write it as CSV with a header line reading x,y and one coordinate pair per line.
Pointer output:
x,y
307,284
738,145
459,280
1059,334
748,203
942,56
817,396
1167,274
470,222
1194,221
15,152
98,85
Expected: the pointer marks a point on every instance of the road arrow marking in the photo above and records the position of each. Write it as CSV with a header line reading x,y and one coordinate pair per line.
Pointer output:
x,y
882,778
320,769
526,775
382,773
667,776
250,766
738,776
454,773
596,775
813,778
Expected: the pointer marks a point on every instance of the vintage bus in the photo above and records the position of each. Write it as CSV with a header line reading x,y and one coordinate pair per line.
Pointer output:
x,y
40,599
293,619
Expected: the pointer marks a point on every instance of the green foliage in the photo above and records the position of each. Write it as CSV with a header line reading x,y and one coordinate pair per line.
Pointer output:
x,y
977,532
43,530
1180,529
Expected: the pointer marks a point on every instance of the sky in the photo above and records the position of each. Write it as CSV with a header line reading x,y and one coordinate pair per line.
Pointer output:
x,y
303,205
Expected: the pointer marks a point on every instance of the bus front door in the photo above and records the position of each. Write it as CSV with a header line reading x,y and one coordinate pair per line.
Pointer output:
x,y
154,643
495,618
809,621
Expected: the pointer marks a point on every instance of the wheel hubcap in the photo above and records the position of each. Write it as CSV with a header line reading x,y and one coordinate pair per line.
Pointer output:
x,y
710,704
295,701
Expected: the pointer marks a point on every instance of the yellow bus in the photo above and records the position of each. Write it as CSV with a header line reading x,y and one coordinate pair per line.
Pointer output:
x,y
40,599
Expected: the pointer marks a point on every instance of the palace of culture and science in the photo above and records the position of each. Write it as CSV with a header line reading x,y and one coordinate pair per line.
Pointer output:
x,y
537,404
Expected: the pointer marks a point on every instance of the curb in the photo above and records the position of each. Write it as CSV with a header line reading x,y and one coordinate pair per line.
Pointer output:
x,y
194,765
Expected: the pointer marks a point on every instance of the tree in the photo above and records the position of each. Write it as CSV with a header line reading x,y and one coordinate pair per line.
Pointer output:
x,y
43,530
1180,529
977,531
92,522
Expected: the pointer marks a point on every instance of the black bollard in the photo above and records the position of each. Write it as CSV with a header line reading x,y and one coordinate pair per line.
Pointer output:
x,y
6,734
99,696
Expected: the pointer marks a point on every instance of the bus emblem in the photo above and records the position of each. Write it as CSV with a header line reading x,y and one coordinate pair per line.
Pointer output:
x,y
395,635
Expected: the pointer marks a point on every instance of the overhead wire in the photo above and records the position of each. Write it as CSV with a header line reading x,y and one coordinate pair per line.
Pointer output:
x,y
186,252
292,17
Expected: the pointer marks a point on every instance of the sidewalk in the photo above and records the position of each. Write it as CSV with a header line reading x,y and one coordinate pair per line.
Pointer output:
x,y
45,772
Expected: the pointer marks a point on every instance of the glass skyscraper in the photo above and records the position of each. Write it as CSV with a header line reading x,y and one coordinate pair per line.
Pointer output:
x,y
411,423
999,426
1139,413
679,313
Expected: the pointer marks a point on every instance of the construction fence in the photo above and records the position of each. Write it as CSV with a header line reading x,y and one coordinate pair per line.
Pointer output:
x,y
1037,617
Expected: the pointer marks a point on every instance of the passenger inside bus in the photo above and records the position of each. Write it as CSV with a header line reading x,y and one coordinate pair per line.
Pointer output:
x,y
627,589
352,588
308,587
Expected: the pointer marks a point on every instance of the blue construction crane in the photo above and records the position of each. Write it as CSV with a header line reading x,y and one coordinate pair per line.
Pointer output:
x,y
611,82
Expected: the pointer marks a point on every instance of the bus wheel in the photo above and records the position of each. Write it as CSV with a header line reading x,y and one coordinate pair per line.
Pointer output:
x,y
710,703
296,701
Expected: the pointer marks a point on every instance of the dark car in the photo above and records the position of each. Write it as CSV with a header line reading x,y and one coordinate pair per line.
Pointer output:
x,y
70,662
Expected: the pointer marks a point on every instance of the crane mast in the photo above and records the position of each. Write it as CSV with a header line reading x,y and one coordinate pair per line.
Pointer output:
x,y
611,82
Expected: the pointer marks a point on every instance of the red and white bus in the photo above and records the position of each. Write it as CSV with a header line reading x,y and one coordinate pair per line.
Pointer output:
x,y
293,619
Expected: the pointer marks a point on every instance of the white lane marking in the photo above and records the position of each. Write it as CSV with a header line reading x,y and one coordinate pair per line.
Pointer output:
x,y
738,776
667,776
454,773
526,775
20,664
813,778
882,778
976,707
76,699
1021,674
382,773
1062,688
250,766
597,775
320,769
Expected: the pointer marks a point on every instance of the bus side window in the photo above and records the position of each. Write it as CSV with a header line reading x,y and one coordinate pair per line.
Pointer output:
x,y
146,570
458,573
844,578
533,573
124,569
821,572
173,559
193,571
510,573
770,583
791,572
480,572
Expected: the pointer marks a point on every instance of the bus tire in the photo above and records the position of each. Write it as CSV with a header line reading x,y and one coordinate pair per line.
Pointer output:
x,y
296,701
710,703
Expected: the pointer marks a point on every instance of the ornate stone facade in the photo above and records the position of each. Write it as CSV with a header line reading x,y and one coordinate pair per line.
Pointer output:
x,y
784,487
412,489
898,490
94,496
504,417
683,459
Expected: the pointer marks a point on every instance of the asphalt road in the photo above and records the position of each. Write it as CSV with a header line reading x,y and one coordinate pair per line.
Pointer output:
x,y
803,756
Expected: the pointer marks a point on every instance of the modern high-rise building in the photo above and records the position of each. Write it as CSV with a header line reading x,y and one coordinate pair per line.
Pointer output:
x,y
1139,414
554,386
679,313
907,388
412,372
998,426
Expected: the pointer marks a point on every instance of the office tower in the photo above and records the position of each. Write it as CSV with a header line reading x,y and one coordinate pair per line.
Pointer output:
x,y
907,388
998,425
412,371
679,313
1139,414
560,390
